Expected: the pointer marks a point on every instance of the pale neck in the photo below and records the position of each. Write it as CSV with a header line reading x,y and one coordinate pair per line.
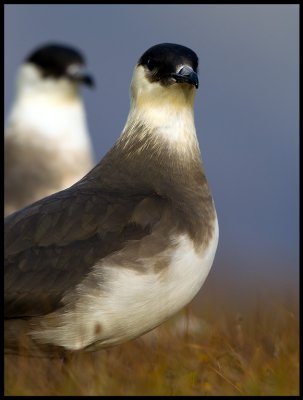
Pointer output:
x,y
49,117
165,125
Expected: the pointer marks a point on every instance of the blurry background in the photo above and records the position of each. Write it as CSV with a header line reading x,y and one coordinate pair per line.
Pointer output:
x,y
247,114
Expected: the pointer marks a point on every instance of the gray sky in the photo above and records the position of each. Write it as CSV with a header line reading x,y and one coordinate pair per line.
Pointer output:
x,y
246,111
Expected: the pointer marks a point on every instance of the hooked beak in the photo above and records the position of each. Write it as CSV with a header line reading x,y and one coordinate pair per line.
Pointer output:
x,y
186,75
79,75
87,80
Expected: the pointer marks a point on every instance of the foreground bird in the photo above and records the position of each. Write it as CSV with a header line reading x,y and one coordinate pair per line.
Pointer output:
x,y
130,244
47,145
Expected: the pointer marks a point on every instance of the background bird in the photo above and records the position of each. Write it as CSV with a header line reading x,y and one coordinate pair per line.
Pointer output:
x,y
129,245
47,144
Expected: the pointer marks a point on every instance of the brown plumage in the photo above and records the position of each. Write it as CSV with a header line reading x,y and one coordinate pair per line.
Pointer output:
x,y
128,215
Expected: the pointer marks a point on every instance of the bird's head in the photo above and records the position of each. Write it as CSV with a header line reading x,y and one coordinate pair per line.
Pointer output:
x,y
54,69
165,73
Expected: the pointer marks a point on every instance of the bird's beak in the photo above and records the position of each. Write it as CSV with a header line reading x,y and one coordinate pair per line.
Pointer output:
x,y
87,79
81,76
186,75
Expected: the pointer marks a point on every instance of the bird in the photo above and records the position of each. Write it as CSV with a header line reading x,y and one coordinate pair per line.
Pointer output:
x,y
47,146
131,243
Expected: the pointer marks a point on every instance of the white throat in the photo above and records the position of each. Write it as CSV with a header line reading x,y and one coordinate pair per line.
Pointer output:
x,y
166,111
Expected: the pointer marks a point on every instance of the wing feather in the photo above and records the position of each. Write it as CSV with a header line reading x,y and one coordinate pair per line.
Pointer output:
x,y
51,245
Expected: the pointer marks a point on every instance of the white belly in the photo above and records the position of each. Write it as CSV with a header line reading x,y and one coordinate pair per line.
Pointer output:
x,y
136,302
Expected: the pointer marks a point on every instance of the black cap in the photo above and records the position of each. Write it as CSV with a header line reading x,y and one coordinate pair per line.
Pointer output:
x,y
162,60
55,60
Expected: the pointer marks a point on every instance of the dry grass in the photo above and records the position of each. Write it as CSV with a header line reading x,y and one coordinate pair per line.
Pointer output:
x,y
255,353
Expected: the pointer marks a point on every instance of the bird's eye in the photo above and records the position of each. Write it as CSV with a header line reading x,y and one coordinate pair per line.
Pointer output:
x,y
150,64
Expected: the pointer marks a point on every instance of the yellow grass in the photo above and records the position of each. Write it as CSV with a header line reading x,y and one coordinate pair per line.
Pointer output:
x,y
255,353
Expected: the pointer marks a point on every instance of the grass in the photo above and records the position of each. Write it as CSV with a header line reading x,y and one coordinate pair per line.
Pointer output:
x,y
252,353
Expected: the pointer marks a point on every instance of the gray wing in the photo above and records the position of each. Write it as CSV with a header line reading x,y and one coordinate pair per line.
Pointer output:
x,y
51,245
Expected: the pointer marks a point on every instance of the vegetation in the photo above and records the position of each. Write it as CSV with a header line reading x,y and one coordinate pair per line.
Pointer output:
x,y
221,353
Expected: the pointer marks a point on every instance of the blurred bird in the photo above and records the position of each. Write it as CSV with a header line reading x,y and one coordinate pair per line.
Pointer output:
x,y
130,244
47,145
